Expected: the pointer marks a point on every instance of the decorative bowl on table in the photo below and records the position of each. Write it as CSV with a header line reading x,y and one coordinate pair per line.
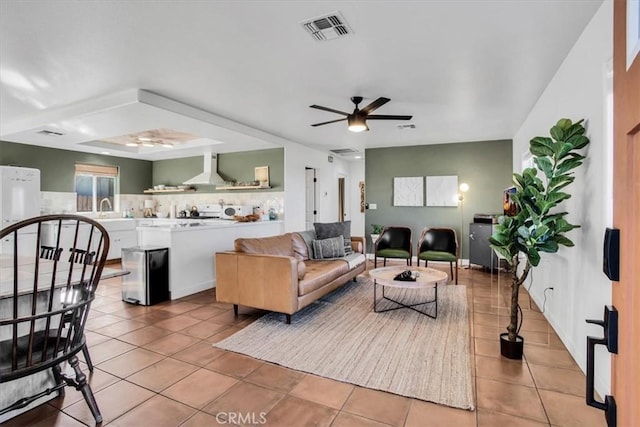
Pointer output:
x,y
246,218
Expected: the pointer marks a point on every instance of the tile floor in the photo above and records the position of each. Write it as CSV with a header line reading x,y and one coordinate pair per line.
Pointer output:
x,y
155,366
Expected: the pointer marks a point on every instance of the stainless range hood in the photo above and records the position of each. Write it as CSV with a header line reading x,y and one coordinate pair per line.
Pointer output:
x,y
209,176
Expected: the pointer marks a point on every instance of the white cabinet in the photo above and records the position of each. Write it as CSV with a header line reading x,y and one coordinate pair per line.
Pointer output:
x,y
122,234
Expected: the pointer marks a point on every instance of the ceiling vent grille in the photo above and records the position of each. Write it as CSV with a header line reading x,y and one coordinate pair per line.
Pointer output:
x,y
343,151
406,126
49,133
327,27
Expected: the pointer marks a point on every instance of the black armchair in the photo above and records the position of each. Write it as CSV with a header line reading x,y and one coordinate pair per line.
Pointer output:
x,y
439,244
394,242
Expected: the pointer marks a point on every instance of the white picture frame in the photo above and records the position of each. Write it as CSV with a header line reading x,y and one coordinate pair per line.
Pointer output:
x,y
408,191
442,190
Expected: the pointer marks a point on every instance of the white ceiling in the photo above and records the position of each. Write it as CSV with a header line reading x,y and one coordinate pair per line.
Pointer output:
x,y
245,72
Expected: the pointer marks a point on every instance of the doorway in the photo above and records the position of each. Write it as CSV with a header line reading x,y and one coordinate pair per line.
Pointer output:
x,y
310,198
341,199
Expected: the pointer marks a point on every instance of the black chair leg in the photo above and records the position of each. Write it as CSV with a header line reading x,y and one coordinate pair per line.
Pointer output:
x,y
384,263
451,268
235,310
85,389
57,376
288,319
87,358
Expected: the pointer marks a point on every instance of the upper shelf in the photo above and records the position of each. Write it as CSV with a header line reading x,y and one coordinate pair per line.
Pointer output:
x,y
243,187
171,190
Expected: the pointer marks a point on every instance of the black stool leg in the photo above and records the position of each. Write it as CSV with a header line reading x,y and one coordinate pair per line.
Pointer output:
x,y
87,358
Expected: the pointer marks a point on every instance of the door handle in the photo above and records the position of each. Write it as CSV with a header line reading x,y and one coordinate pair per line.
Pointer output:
x,y
610,340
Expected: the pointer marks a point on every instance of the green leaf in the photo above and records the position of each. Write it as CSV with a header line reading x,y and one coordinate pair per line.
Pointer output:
x,y
549,245
541,146
545,165
562,240
540,231
562,150
557,196
568,164
534,257
557,133
561,181
523,231
564,124
578,141
575,129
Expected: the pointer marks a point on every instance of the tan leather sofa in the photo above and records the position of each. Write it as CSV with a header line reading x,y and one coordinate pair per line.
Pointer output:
x,y
277,273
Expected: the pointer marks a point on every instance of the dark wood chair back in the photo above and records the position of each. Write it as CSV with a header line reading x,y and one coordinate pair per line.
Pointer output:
x,y
45,301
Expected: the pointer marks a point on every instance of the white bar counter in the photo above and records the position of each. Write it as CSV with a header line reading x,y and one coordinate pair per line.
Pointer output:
x,y
192,244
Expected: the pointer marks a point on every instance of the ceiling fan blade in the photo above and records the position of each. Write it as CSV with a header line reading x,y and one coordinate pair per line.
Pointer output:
x,y
374,105
330,121
331,110
388,117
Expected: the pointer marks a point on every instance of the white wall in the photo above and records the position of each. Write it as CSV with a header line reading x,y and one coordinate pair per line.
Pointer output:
x,y
296,158
578,90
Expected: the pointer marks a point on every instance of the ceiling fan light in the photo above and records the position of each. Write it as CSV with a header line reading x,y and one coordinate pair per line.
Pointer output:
x,y
357,124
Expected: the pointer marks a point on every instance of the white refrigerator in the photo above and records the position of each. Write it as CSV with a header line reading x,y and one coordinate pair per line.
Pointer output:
x,y
19,199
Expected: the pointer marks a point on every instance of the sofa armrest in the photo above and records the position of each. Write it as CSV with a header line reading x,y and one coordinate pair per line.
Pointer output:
x,y
268,282
358,244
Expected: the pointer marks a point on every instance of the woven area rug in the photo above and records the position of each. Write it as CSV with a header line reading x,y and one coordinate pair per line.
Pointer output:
x,y
399,351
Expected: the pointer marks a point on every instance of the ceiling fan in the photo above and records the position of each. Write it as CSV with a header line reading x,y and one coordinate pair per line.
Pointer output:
x,y
357,121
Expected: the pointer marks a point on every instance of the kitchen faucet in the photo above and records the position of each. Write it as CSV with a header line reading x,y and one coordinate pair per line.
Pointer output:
x,y
108,203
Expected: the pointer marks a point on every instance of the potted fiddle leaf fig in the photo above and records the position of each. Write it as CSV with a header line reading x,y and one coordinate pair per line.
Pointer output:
x,y
376,230
537,226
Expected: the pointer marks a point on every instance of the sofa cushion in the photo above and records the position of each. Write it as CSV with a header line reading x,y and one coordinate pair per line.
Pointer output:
x,y
321,272
302,270
276,245
303,244
332,247
334,229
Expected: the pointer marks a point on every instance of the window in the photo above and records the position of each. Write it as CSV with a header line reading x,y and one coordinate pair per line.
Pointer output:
x,y
96,187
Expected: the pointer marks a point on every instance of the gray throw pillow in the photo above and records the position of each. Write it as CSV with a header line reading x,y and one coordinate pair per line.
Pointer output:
x,y
334,229
332,247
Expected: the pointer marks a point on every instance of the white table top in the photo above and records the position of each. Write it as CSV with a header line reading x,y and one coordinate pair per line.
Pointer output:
x,y
427,278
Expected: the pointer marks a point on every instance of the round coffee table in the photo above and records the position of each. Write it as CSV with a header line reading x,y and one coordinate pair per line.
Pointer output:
x,y
427,278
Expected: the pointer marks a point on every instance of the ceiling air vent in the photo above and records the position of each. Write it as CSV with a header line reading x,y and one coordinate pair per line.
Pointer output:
x,y
406,126
327,27
49,133
343,151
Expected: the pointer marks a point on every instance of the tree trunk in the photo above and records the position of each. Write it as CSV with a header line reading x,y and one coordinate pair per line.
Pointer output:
x,y
516,281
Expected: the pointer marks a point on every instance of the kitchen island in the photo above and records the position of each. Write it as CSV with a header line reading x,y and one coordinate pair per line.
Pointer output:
x,y
192,245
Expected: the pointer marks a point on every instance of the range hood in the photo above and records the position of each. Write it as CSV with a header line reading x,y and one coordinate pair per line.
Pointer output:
x,y
209,176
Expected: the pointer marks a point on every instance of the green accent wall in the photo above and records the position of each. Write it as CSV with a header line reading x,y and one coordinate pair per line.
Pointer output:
x,y
486,166
57,167
238,167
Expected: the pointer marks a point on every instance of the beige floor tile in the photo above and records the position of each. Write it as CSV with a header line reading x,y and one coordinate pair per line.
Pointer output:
x,y
200,354
107,350
345,419
503,369
205,312
200,388
570,411
487,347
178,307
568,381
113,401
438,415
291,411
384,407
144,335
204,329
510,399
177,323
128,363
201,419
324,391
549,357
245,398
494,419
163,374
158,411
117,329
93,338
219,336
235,365
98,322
275,377
31,417
171,343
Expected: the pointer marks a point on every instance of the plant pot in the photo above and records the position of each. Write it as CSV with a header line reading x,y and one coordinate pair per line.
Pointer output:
x,y
511,349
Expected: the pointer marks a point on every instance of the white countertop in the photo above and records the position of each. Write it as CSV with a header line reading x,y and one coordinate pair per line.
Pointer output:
x,y
199,225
